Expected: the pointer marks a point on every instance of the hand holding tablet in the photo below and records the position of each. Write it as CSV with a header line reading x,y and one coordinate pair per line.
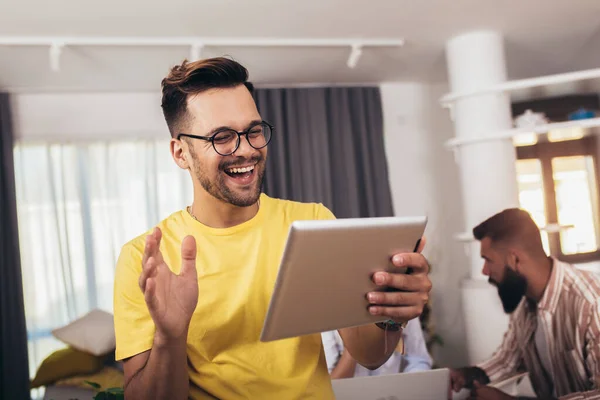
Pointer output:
x,y
404,295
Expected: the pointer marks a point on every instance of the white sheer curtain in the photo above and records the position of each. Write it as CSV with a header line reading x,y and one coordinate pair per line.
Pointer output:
x,y
77,205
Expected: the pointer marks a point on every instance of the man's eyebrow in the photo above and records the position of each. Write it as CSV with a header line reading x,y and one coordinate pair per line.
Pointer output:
x,y
228,128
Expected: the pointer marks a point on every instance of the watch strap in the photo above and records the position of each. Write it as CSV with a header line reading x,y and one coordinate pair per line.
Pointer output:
x,y
391,325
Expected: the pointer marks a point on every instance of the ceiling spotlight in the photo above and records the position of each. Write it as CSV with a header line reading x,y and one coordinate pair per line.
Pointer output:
x,y
55,52
196,52
354,55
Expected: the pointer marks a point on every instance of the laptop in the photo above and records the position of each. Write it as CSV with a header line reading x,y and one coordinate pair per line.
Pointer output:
x,y
423,385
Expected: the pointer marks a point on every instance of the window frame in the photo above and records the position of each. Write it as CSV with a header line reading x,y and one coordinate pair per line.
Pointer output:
x,y
545,152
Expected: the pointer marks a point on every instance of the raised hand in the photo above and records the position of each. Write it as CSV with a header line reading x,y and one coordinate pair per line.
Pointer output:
x,y
171,298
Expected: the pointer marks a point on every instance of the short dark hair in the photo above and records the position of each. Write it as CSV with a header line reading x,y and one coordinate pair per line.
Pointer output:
x,y
510,225
195,77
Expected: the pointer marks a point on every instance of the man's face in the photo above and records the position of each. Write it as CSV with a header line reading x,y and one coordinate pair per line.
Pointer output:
x,y
511,285
229,108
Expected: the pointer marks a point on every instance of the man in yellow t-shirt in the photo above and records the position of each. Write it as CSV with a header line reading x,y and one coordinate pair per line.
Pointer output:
x,y
192,294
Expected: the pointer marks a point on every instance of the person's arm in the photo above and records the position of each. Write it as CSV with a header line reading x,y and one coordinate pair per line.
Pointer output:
x,y
417,364
333,347
504,362
506,359
415,349
589,395
340,363
481,392
160,373
153,309
368,344
592,361
345,367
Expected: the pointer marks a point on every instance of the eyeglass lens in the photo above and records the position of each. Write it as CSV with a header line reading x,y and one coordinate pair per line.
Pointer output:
x,y
226,142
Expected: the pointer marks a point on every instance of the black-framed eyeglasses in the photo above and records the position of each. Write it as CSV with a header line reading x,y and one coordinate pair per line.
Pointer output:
x,y
226,141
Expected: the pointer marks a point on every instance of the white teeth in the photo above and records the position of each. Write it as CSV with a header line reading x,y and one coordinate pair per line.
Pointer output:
x,y
241,170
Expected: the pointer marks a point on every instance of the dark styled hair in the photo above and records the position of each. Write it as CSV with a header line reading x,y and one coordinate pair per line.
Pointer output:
x,y
511,225
191,78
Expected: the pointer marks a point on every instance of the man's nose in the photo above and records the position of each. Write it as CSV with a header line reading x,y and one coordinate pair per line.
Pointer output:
x,y
244,149
485,270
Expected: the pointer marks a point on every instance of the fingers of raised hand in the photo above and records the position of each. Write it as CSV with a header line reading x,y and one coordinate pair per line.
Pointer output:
x,y
149,269
188,256
152,247
150,288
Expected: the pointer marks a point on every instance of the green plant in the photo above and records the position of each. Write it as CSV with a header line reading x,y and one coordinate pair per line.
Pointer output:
x,y
114,393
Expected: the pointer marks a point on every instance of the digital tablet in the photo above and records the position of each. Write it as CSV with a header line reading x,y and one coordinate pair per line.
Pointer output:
x,y
326,271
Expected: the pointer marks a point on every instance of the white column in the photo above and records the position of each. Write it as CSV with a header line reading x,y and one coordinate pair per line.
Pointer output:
x,y
488,176
487,168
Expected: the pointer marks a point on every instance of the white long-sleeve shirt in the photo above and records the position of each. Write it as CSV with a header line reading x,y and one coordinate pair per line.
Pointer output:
x,y
416,357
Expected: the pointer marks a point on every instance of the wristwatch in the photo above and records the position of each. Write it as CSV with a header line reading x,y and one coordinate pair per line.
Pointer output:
x,y
391,325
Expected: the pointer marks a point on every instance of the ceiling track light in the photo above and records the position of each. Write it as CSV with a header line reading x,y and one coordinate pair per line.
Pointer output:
x,y
354,56
55,53
197,44
196,52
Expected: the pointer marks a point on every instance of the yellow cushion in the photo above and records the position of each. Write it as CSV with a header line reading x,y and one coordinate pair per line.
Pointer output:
x,y
65,363
107,377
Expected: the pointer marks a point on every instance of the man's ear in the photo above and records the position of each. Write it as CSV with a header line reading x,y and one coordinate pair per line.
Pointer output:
x,y
179,153
513,260
516,260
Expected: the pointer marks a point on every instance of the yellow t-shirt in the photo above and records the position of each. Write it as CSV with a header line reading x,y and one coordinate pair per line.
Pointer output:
x,y
237,268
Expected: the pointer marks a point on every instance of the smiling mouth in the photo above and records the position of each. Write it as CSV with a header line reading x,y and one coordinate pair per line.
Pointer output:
x,y
241,172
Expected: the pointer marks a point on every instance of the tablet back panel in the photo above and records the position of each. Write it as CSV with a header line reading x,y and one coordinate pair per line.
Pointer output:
x,y
326,271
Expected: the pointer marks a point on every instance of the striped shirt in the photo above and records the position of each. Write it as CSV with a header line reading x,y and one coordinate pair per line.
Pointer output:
x,y
569,319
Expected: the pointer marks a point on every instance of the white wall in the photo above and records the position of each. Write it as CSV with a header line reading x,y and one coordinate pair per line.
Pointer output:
x,y
87,116
424,180
423,175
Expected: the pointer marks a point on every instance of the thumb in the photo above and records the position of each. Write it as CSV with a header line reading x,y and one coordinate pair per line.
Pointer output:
x,y
188,256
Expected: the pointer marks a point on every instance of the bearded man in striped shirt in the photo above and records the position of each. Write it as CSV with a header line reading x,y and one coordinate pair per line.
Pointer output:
x,y
554,331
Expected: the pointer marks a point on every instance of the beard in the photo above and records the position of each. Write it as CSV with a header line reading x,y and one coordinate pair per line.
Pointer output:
x,y
218,187
511,290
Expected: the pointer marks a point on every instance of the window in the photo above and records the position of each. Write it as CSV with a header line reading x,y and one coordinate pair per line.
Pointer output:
x,y
78,204
531,193
558,185
576,203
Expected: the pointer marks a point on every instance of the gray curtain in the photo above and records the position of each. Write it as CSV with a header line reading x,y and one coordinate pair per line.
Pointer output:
x,y
14,369
328,147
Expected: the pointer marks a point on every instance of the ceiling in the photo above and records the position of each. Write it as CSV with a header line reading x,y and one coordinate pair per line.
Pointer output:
x,y
542,37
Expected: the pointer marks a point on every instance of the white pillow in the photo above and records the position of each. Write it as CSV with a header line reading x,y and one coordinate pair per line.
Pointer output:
x,y
93,333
